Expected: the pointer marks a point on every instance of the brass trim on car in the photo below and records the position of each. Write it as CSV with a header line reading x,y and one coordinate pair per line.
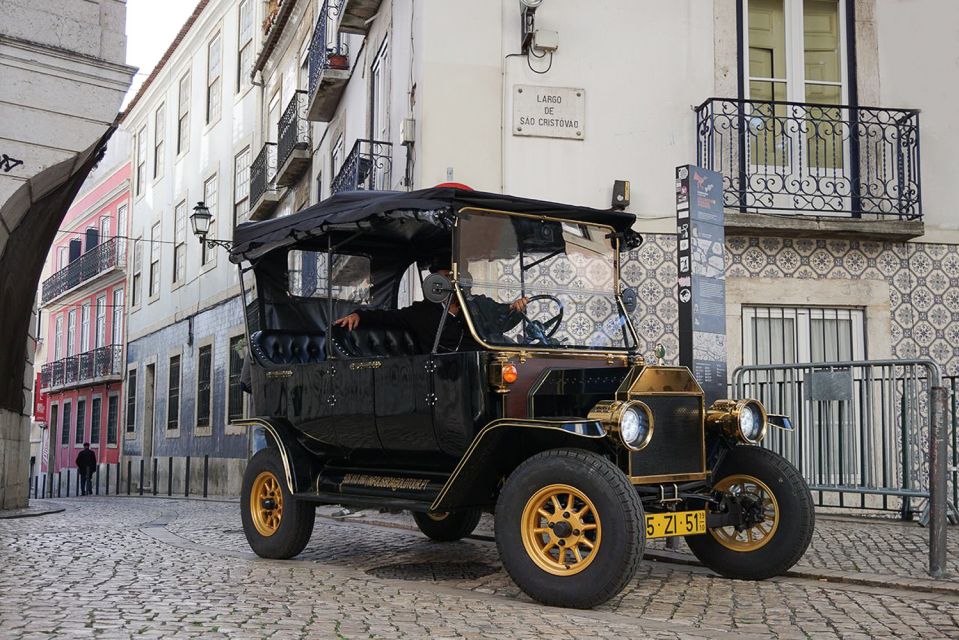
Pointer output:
x,y
259,422
676,477
610,413
724,415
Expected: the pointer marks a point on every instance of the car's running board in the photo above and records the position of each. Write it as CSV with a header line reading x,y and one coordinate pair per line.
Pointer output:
x,y
354,500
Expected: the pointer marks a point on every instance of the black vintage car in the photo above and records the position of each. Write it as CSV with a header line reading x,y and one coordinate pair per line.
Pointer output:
x,y
543,411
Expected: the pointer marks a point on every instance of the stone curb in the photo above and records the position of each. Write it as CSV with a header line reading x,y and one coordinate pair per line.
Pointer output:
x,y
29,514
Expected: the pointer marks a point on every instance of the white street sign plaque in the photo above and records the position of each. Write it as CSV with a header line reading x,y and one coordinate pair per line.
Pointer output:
x,y
549,112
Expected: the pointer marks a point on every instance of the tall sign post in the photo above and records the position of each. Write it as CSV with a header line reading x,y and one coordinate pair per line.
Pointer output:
x,y
701,245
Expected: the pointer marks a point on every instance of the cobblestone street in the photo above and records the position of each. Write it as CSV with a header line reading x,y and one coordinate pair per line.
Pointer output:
x,y
123,567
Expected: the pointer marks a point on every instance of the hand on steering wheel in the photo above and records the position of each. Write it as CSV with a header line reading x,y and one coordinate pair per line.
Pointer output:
x,y
542,331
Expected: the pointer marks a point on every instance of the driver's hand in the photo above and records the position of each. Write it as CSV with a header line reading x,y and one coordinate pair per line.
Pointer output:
x,y
350,322
519,305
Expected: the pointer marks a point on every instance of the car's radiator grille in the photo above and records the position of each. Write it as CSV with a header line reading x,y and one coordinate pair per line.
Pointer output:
x,y
677,443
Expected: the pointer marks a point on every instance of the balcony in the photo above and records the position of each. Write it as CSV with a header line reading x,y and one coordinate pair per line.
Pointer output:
x,y
91,367
104,257
354,15
824,169
293,141
329,67
369,167
263,193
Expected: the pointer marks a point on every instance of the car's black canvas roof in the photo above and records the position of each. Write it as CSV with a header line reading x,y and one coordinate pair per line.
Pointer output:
x,y
255,238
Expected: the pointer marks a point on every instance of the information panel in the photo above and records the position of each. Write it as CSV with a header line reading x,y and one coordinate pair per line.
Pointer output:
x,y
549,112
702,281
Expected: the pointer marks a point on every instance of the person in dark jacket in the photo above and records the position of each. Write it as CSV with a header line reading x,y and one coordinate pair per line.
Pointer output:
x,y
86,465
422,318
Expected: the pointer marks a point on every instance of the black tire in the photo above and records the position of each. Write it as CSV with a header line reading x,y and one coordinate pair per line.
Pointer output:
x,y
621,526
296,516
448,527
793,530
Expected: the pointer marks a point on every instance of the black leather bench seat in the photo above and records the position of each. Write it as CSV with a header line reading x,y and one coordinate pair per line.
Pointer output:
x,y
281,347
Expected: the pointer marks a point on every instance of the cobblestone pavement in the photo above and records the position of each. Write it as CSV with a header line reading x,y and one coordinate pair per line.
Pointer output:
x,y
123,567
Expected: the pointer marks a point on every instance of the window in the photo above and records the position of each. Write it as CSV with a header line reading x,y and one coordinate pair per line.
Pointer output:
x,y
131,400
54,420
95,421
136,282
104,228
336,157
158,135
214,60
141,159
273,124
183,115
173,395
58,338
85,328
155,260
241,184
179,243
121,232
379,96
81,418
787,335
235,394
63,257
117,316
204,376
210,199
71,332
245,45
113,408
101,333
65,424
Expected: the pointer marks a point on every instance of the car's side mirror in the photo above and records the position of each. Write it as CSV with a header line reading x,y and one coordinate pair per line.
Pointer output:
x,y
437,287
629,299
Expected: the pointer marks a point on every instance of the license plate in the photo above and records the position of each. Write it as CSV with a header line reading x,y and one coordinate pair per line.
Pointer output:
x,y
676,523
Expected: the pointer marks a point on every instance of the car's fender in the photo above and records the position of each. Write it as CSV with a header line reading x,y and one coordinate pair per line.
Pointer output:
x,y
298,462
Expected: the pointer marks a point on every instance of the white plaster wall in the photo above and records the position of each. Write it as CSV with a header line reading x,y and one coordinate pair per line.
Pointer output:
x,y
919,68
212,149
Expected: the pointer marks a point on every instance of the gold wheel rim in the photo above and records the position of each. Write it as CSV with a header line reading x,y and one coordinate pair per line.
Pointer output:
x,y
555,510
438,517
759,534
266,503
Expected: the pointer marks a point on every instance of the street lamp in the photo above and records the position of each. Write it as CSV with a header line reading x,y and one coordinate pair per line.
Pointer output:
x,y
200,220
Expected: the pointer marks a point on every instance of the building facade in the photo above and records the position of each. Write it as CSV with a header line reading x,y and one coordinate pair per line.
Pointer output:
x,y
63,82
192,126
82,310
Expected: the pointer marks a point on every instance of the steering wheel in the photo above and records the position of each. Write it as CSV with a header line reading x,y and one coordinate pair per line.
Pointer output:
x,y
542,331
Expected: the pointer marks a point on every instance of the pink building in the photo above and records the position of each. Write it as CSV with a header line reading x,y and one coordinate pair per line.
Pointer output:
x,y
83,301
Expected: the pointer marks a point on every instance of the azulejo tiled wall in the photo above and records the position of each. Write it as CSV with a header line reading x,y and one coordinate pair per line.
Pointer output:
x,y
923,281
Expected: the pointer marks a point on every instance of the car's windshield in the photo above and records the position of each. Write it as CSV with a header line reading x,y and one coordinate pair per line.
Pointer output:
x,y
545,283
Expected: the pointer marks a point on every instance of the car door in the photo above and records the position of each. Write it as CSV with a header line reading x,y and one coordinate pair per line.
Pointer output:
x,y
401,396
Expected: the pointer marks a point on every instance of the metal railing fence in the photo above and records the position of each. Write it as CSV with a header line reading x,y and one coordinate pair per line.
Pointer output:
x,y
104,256
293,129
263,173
153,477
368,167
326,48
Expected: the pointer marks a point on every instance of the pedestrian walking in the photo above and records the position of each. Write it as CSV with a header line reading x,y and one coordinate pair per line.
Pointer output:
x,y
86,465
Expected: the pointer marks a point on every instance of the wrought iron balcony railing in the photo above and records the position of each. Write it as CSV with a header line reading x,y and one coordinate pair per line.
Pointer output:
x,y
368,167
812,158
328,50
294,129
263,174
83,368
103,257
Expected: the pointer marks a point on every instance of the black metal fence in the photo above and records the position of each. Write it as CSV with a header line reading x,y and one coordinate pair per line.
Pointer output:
x,y
368,167
87,366
156,477
327,50
104,256
819,158
263,173
294,129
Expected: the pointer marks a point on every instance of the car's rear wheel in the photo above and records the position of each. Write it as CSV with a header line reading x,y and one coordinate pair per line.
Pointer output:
x,y
778,513
570,528
448,527
275,523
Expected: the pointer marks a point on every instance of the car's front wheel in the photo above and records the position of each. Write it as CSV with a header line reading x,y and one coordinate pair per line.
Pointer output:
x,y
570,528
276,524
448,527
778,517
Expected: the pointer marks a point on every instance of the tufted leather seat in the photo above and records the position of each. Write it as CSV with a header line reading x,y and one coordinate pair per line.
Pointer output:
x,y
280,347
373,343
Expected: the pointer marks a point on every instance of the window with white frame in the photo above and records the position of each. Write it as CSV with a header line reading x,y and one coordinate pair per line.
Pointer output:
x,y
104,228
210,200
101,330
241,185
154,260
131,400
117,316
113,411
63,257
204,378
85,327
121,233
245,45
213,73
179,243
141,146
183,115
379,95
71,332
173,394
95,419
159,131
789,335
337,155
136,281
58,338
